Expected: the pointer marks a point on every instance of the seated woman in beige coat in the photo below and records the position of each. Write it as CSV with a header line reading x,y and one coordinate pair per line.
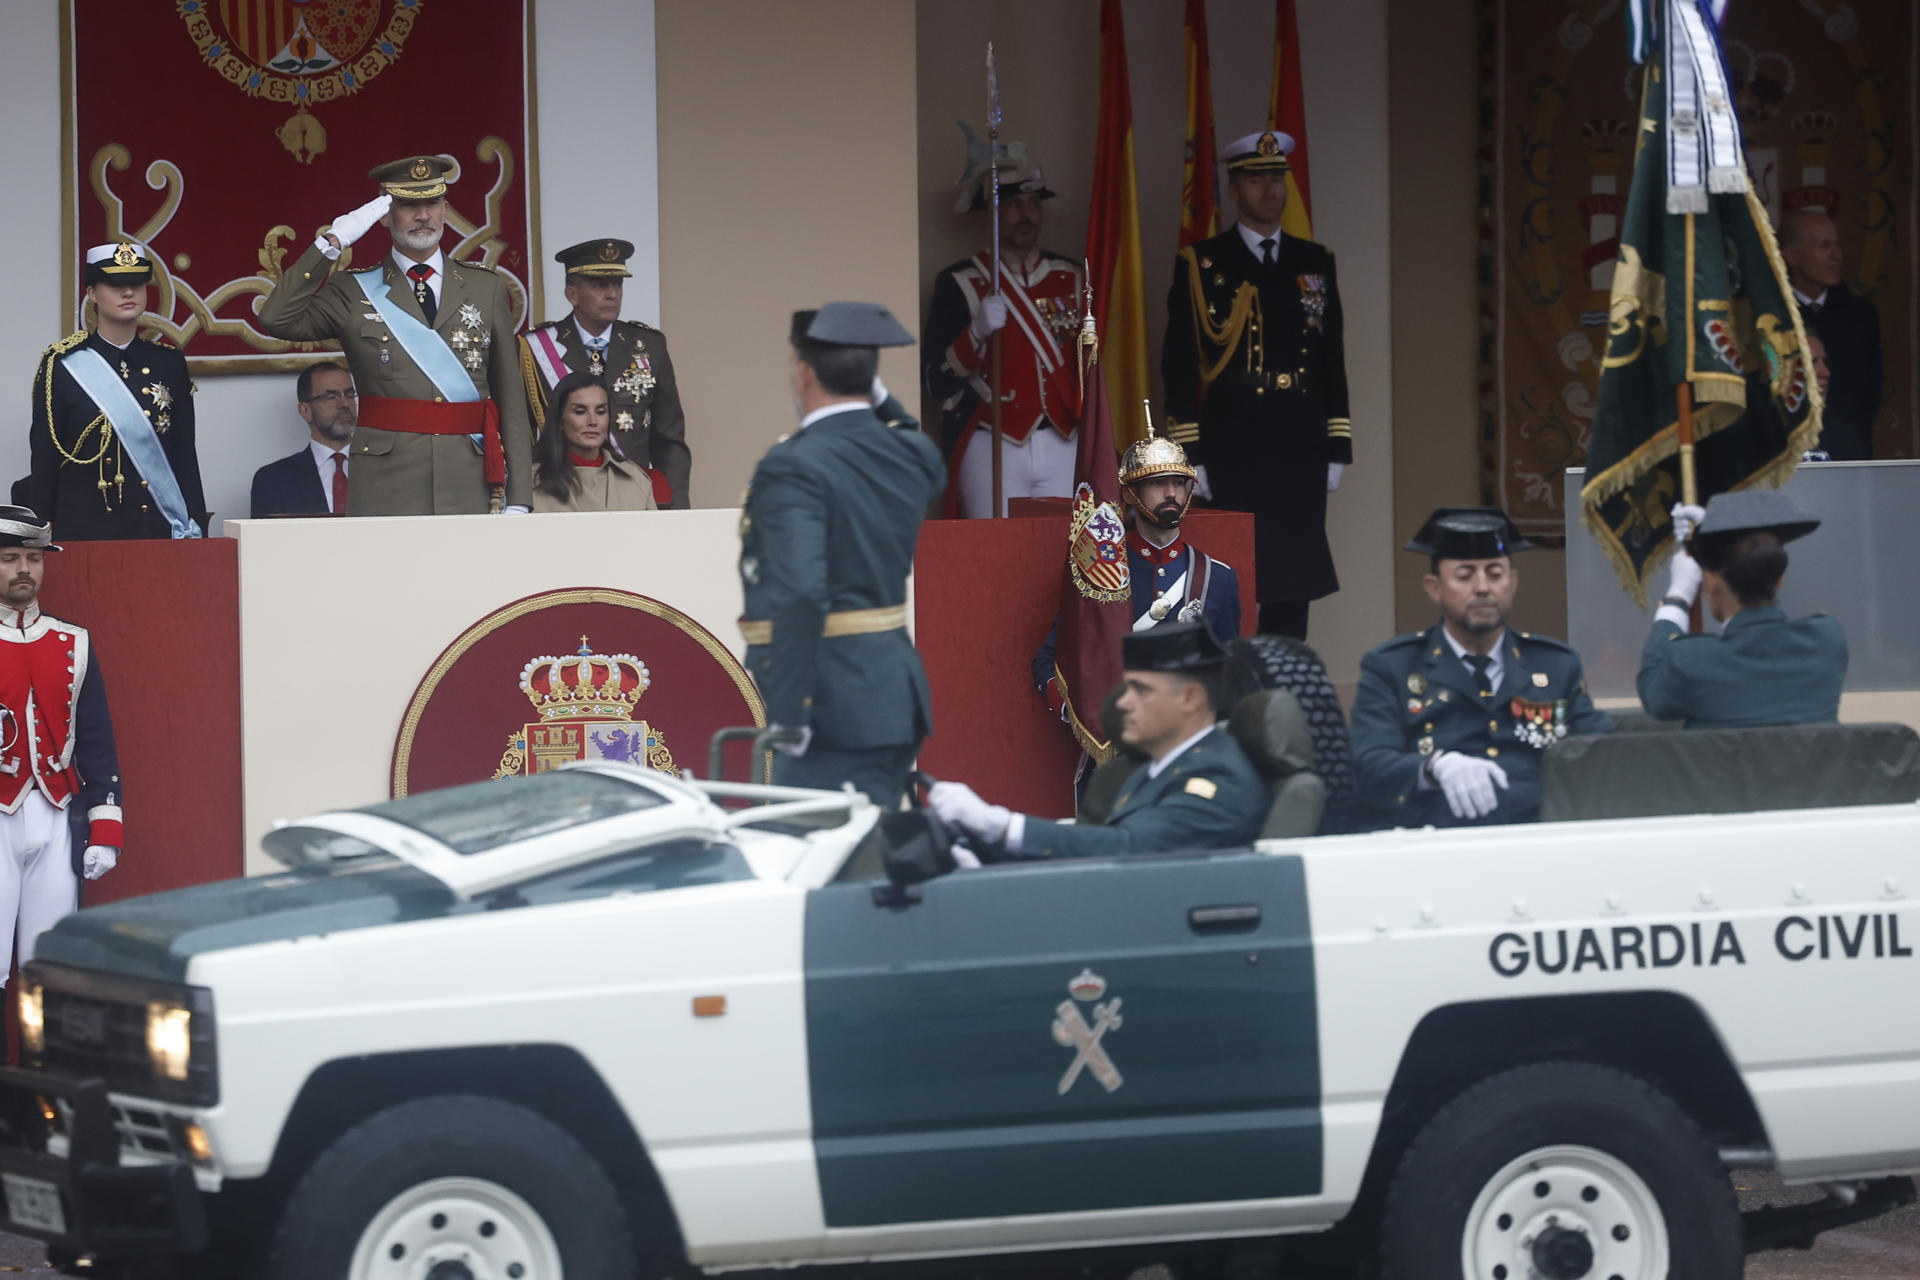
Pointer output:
x,y
575,466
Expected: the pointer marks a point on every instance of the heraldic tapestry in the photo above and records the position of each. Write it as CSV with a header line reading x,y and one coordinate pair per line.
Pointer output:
x,y
252,124
1826,100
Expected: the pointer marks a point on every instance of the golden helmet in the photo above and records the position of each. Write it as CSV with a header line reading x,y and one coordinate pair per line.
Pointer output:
x,y
1154,456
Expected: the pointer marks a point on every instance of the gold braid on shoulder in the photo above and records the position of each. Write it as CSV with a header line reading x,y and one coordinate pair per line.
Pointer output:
x,y
1226,335
52,356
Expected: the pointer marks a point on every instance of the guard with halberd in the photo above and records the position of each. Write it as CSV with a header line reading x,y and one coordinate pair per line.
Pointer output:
x,y
1256,382
56,747
1449,723
1037,312
649,426
112,438
443,424
827,537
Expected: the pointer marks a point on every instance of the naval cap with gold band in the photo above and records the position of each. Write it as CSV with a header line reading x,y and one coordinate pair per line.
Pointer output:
x,y
1265,152
415,178
598,259
123,262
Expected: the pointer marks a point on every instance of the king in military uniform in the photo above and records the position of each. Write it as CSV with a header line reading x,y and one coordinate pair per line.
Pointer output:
x,y
1256,382
112,436
443,413
826,544
1449,724
649,427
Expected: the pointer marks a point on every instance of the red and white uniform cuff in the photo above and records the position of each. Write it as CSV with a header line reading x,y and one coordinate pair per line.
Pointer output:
x,y
103,826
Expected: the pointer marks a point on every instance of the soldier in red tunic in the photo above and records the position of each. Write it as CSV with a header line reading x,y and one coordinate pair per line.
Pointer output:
x,y
56,743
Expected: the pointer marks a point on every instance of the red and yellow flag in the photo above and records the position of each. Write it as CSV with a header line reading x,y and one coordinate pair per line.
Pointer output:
x,y
1113,240
1199,191
1287,113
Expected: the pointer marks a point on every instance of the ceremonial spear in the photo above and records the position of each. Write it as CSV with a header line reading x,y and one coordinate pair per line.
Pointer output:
x,y
993,185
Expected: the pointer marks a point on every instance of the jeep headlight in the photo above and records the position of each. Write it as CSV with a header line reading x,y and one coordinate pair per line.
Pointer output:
x,y
33,1018
170,1039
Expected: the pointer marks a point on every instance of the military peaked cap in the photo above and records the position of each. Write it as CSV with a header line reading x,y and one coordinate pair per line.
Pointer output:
x,y
1179,646
850,324
1468,533
126,262
598,258
1259,153
415,178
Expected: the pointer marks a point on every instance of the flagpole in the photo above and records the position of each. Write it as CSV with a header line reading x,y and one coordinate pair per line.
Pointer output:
x,y
1689,487
993,179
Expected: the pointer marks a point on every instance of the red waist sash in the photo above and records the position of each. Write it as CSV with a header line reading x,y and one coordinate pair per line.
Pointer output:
x,y
438,418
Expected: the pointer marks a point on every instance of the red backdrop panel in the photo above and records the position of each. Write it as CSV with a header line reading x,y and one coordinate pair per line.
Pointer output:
x,y
984,594
165,622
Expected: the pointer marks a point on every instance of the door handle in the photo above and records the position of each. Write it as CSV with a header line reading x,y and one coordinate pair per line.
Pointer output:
x,y
1229,919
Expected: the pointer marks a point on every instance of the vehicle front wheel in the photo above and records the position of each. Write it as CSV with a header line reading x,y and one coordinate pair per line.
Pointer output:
x,y
458,1186
1561,1171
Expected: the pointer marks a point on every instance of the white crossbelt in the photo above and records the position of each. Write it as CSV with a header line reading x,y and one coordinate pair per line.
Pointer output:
x,y
1162,605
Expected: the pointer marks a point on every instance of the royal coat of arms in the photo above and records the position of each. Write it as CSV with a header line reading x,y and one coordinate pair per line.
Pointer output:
x,y
1097,548
584,703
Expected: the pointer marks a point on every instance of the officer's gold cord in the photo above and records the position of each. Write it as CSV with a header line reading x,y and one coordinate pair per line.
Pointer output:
x,y
1226,336
72,455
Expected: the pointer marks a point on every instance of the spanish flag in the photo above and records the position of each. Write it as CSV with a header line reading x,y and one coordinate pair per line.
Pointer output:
x,y
1113,240
1199,191
1287,113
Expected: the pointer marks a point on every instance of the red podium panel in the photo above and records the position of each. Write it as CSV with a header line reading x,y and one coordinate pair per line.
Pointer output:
x,y
165,622
984,594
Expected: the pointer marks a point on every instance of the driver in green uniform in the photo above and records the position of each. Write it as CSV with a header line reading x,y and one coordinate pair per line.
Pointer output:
x,y
1198,789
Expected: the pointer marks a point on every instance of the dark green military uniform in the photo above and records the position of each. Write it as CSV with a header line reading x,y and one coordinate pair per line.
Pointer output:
x,y
827,539
1209,797
1416,699
1763,669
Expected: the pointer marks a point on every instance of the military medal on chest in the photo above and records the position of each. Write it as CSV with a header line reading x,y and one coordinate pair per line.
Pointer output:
x,y
1539,724
638,380
1313,299
472,339
162,397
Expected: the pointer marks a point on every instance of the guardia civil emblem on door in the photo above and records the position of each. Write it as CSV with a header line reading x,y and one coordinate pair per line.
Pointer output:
x,y
1071,1030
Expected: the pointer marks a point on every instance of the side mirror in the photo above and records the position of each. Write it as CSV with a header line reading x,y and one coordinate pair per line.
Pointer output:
x,y
918,848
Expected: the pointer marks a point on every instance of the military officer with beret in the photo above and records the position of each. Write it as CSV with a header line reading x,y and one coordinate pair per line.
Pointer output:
x,y
1764,668
443,413
112,438
629,357
1198,789
1449,723
1256,382
826,544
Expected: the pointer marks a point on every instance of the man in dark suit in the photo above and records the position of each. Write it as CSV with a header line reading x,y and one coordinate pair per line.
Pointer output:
x,y
1846,324
827,536
1256,381
313,482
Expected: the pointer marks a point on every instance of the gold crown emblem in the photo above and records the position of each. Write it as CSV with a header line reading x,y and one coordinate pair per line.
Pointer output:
x,y
585,684
421,169
1268,145
125,255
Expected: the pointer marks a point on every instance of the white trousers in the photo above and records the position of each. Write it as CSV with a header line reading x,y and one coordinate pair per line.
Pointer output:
x,y
37,886
1041,466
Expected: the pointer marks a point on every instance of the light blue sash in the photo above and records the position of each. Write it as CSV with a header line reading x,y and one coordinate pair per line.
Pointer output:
x,y
428,349
97,378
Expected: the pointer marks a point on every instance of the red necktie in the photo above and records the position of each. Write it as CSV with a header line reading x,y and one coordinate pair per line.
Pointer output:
x,y
340,484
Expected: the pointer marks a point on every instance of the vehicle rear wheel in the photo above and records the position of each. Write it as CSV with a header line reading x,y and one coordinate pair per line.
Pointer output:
x,y
1561,1171
459,1188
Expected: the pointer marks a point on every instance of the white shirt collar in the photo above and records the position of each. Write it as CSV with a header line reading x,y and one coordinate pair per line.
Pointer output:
x,y
1497,670
828,410
323,458
1155,769
587,338
1805,301
19,619
1253,239
438,262
117,346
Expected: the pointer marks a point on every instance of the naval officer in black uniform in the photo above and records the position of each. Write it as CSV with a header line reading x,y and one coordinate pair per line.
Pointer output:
x,y
112,436
1449,724
1256,378
826,544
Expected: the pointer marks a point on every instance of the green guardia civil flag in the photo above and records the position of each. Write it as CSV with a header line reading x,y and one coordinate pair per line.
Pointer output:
x,y
1699,297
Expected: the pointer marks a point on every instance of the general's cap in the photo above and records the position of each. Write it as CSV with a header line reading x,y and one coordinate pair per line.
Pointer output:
x,y
1468,533
1178,646
415,178
125,262
24,527
1259,153
850,324
598,258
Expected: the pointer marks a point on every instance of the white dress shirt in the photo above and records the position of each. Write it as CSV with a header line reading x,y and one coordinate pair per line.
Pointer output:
x,y
828,410
1253,239
1497,670
439,264
1805,301
323,463
588,339
1159,766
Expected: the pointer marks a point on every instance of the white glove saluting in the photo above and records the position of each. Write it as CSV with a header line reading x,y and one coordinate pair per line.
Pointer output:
x,y
955,804
349,227
99,860
992,317
1468,783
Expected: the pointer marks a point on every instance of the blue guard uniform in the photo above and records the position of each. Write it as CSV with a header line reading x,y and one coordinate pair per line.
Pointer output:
x,y
827,540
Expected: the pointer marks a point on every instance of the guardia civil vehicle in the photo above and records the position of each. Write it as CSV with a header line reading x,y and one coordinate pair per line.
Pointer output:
x,y
603,1023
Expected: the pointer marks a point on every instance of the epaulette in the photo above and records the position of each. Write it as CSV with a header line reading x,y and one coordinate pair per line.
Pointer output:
x,y
1548,641
162,343
477,266
65,344
639,324
1410,638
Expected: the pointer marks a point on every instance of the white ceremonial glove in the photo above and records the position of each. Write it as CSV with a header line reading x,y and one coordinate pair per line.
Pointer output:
x,y
794,749
964,859
955,804
1468,782
516,510
1683,581
992,317
878,394
1334,471
1201,489
1685,520
99,860
349,227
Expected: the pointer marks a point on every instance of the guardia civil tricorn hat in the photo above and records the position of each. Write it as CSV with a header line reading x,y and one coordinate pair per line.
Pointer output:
x,y
850,324
1468,533
1178,646
415,178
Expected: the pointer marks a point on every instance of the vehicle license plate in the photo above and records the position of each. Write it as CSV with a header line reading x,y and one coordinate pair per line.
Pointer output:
x,y
33,1203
